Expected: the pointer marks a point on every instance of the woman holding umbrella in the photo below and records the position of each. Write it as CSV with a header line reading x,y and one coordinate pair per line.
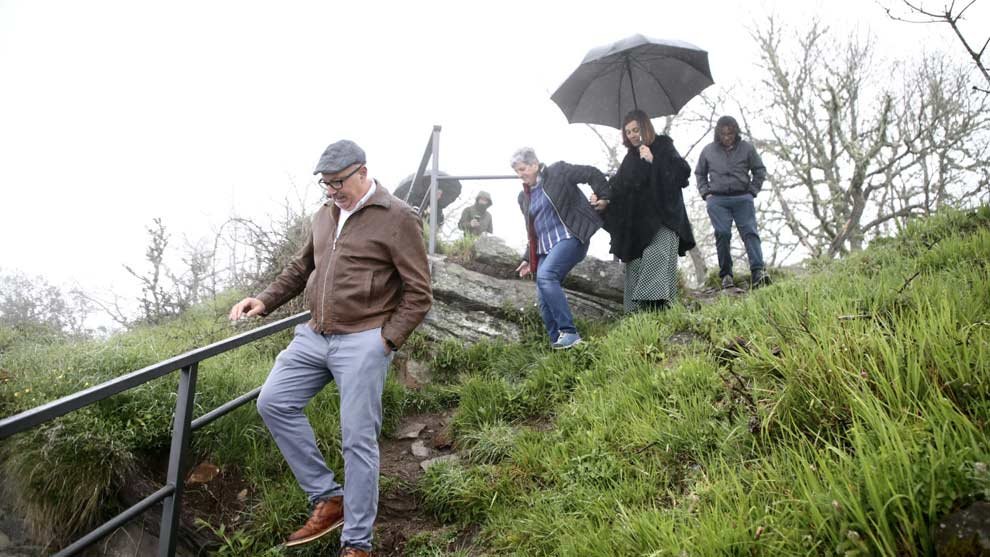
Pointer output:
x,y
645,214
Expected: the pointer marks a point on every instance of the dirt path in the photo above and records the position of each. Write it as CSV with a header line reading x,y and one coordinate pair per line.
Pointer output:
x,y
419,438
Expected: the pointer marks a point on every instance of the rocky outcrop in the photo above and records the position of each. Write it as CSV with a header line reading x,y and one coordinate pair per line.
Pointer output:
x,y
493,257
470,305
470,324
601,279
483,299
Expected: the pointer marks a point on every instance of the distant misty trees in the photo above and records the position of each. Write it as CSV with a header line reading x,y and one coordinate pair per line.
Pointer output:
x,y
30,306
243,255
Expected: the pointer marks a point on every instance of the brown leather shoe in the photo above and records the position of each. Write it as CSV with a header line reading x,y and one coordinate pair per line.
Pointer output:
x,y
354,552
327,515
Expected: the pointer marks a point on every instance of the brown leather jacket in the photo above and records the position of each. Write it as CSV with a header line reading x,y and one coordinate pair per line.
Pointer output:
x,y
374,275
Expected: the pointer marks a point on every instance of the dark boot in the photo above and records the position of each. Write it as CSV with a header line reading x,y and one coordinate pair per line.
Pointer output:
x,y
761,279
728,282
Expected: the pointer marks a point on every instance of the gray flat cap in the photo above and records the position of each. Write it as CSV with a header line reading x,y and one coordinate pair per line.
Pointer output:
x,y
339,156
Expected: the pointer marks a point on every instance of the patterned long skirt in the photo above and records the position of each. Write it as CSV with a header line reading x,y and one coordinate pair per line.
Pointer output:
x,y
652,277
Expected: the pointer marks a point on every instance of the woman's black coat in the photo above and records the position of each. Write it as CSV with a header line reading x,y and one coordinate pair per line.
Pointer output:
x,y
645,196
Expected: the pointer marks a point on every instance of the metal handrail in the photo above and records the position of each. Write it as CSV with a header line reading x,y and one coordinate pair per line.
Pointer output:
x,y
182,427
432,155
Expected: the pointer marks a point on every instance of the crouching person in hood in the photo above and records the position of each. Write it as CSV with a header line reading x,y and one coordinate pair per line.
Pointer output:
x,y
476,218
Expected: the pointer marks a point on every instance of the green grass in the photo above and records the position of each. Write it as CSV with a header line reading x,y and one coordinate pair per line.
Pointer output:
x,y
840,412
854,418
85,456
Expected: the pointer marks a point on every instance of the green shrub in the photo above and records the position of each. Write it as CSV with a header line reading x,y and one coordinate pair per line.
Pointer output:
x,y
489,444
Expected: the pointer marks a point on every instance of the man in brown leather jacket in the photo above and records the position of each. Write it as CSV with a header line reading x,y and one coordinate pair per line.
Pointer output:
x,y
367,284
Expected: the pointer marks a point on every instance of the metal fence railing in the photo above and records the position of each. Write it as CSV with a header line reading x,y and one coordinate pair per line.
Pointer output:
x,y
182,427
431,155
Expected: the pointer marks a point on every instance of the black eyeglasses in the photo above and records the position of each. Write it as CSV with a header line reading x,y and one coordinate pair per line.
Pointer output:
x,y
337,184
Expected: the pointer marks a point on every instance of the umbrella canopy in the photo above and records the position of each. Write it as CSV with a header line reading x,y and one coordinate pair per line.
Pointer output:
x,y
419,196
656,76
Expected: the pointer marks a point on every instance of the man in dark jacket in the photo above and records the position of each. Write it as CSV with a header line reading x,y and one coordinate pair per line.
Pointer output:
x,y
367,283
476,218
559,224
730,174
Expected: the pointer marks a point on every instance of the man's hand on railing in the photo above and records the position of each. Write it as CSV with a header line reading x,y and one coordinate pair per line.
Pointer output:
x,y
248,307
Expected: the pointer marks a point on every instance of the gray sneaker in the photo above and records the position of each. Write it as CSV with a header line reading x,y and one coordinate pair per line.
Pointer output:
x,y
728,282
567,340
761,279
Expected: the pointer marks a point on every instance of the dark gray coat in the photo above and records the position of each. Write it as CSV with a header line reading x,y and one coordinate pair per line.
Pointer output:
x,y
560,181
734,172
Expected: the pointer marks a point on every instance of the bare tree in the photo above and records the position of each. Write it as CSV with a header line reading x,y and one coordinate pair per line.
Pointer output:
x,y
168,286
255,253
242,254
258,252
610,149
197,280
852,156
157,301
951,15
111,308
945,133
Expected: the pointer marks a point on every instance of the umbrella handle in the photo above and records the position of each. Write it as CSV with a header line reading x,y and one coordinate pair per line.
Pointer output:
x,y
632,86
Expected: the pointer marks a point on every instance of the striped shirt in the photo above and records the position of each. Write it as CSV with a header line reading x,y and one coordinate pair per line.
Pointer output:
x,y
546,223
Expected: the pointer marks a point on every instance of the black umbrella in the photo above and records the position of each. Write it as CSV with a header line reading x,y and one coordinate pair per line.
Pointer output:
x,y
419,196
656,76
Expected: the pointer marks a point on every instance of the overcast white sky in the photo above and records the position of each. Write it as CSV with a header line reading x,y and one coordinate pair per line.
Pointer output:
x,y
116,112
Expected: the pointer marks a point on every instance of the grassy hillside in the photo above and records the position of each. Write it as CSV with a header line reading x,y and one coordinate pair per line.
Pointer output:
x,y
843,412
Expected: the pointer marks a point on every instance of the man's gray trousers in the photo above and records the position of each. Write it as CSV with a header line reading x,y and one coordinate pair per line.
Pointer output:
x,y
357,363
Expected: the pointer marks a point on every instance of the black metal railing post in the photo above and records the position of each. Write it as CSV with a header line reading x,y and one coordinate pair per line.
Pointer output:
x,y
419,204
434,172
181,432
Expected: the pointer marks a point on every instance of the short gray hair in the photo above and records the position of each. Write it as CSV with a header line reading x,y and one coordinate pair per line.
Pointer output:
x,y
525,155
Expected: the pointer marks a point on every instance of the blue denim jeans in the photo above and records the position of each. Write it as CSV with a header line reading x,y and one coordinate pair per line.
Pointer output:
x,y
722,210
550,273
